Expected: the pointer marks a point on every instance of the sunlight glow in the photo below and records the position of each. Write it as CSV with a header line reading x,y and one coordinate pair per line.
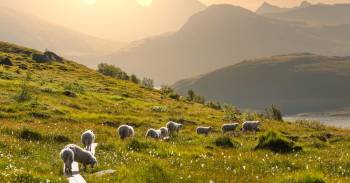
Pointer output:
x,y
145,2
89,2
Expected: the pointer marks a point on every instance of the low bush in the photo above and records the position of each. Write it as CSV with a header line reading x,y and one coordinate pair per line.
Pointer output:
x,y
28,134
226,142
277,143
136,145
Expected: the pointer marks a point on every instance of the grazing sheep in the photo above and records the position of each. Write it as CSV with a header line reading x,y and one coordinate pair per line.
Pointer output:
x,y
82,156
204,130
229,127
88,138
152,133
173,126
251,126
125,131
164,132
67,155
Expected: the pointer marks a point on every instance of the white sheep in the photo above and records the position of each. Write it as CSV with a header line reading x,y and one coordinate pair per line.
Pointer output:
x,y
173,126
251,126
125,131
82,156
204,130
229,127
88,138
164,132
67,155
152,133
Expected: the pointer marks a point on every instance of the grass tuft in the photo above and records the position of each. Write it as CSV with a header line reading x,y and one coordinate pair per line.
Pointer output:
x,y
275,142
226,142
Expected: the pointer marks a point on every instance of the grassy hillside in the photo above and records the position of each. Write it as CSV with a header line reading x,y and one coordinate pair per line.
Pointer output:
x,y
48,105
296,82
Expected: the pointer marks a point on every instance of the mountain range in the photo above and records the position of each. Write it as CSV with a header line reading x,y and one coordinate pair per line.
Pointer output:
x,y
222,35
297,83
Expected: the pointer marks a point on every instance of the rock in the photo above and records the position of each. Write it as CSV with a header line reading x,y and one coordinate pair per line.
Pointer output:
x,y
104,172
23,66
53,56
6,61
40,58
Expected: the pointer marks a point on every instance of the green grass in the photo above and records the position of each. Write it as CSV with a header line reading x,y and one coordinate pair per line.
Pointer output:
x,y
33,131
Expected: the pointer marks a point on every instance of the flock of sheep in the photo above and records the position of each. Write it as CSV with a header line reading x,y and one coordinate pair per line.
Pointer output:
x,y
84,156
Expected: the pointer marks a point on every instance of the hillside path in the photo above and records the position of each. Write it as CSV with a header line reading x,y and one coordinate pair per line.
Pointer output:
x,y
76,177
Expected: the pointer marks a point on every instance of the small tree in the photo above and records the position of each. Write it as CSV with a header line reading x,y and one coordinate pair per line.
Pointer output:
x,y
134,79
274,113
199,99
191,95
148,83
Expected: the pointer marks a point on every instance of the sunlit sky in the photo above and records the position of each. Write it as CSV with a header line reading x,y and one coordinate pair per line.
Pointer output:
x,y
124,20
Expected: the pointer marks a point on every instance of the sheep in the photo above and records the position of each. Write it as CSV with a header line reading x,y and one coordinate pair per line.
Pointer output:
x,y
251,126
229,127
173,126
67,155
82,156
164,132
152,133
204,130
125,131
88,138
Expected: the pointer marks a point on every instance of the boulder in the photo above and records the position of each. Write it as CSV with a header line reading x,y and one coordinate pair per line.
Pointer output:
x,y
53,56
40,58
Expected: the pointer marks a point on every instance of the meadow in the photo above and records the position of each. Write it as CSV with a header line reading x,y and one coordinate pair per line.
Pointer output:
x,y
45,106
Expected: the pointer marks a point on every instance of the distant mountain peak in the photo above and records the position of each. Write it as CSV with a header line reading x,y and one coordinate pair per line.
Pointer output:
x,y
269,8
305,4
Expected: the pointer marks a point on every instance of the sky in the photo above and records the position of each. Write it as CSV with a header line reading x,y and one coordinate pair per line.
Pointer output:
x,y
124,20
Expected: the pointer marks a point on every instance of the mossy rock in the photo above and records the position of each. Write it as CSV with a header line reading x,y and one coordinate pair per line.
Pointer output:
x,y
276,142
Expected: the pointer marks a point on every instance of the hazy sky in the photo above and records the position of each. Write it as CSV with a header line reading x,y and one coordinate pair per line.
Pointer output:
x,y
123,20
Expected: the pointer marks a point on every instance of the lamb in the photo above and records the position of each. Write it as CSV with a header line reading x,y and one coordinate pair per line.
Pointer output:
x,y
204,130
152,133
125,131
67,155
88,138
173,126
164,132
229,127
82,156
251,126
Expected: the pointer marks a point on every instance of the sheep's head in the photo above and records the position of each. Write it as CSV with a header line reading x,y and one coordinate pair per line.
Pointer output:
x,y
92,162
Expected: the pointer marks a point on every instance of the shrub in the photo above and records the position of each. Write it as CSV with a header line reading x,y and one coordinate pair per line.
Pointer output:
x,y
191,95
60,138
112,71
315,125
28,134
147,83
134,79
214,105
231,113
137,145
174,96
69,93
166,90
274,113
226,142
277,143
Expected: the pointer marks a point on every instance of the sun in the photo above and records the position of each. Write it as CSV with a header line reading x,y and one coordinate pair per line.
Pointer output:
x,y
89,2
145,2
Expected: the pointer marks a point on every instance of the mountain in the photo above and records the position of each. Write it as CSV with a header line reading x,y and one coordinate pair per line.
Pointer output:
x,y
31,31
269,8
219,36
318,14
295,82
45,106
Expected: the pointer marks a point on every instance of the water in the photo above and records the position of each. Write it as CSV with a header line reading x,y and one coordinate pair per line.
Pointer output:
x,y
336,121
